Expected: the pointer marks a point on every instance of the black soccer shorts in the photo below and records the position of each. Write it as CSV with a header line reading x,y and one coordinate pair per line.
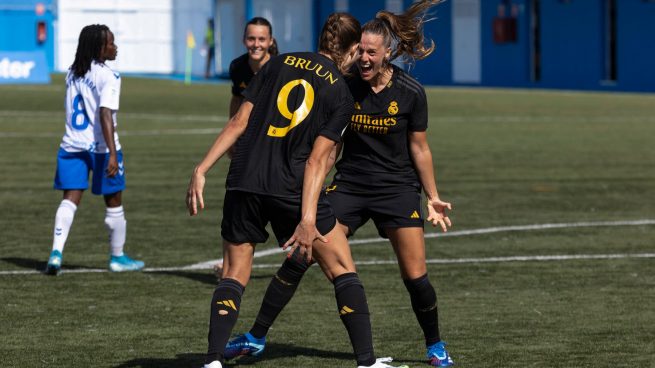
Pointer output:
x,y
245,216
390,210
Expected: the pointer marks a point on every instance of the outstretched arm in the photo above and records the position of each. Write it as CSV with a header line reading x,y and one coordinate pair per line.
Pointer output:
x,y
316,169
422,157
225,139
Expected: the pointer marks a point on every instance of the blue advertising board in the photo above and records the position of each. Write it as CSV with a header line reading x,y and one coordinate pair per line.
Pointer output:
x,y
22,67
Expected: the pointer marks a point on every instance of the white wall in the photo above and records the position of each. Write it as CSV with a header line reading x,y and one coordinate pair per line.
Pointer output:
x,y
151,34
143,31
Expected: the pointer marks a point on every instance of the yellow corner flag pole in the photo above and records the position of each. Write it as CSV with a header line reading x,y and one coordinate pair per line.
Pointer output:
x,y
190,45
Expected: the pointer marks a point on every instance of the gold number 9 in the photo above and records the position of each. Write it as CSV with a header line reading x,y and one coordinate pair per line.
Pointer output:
x,y
301,112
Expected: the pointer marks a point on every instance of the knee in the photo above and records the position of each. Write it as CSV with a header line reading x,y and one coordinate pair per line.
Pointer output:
x,y
421,292
293,269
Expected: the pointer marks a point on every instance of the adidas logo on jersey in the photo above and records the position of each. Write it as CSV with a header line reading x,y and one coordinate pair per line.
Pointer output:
x,y
414,215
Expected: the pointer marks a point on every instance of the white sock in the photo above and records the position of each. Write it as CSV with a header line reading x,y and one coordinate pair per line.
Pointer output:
x,y
117,226
63,222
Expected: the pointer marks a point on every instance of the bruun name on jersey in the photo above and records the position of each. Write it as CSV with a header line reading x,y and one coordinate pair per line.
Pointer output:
x,y
15,69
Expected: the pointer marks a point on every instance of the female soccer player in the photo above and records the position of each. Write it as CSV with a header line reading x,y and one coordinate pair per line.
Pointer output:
x,y
386,161
294,113
258,40
91,144
261,46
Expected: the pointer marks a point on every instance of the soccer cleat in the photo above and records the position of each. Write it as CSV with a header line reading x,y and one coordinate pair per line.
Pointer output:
x,y
54,263
124,263
382,363
214,364
245,344
438,356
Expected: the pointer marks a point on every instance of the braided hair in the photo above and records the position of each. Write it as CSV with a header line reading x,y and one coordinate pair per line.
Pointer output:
x,y
405,30
92,39
339,33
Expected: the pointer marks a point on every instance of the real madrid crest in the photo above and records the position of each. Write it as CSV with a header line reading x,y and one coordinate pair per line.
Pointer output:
x,y
393,108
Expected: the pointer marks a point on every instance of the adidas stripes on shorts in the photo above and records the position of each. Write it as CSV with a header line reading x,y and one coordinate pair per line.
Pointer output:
x,y
387,210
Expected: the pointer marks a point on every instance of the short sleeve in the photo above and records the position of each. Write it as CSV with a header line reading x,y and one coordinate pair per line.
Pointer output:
x,y
418,118
339,119
256,83
110,90
233,76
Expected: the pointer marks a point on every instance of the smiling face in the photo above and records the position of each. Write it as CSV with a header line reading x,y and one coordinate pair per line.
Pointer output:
x,y
372,51
109,50
258,40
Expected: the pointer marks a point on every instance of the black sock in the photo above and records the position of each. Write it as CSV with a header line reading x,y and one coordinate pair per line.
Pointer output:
x,y
424,304
279,293
353,309
224,313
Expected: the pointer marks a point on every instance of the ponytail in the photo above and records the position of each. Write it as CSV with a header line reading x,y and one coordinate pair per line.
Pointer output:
x,y
405,29
273,50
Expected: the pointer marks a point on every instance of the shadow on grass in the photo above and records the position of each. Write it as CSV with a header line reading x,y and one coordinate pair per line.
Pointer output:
x,y
39,265
181,360
206,277
277,351
273,351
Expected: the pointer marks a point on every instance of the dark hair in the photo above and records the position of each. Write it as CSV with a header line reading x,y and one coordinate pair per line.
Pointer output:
x,y
339,33
259,21
92,39
405,29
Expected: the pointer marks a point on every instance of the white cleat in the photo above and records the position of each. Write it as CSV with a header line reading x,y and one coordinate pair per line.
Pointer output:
x,y
382,363
214,364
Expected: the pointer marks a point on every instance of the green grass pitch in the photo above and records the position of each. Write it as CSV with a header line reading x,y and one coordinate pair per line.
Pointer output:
x,y
503,157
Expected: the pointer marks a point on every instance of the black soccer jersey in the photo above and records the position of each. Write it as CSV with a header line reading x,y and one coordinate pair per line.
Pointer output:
x,y
296,97
241,74
376,155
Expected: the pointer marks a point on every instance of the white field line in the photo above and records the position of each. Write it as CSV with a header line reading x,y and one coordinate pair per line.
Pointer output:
x,y
555,257
559,257
123,133
59,114
499,229
49,115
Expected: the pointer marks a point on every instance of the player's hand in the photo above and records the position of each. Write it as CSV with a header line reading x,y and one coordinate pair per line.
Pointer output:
x,y
112,166
303,238
437,213
194,193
